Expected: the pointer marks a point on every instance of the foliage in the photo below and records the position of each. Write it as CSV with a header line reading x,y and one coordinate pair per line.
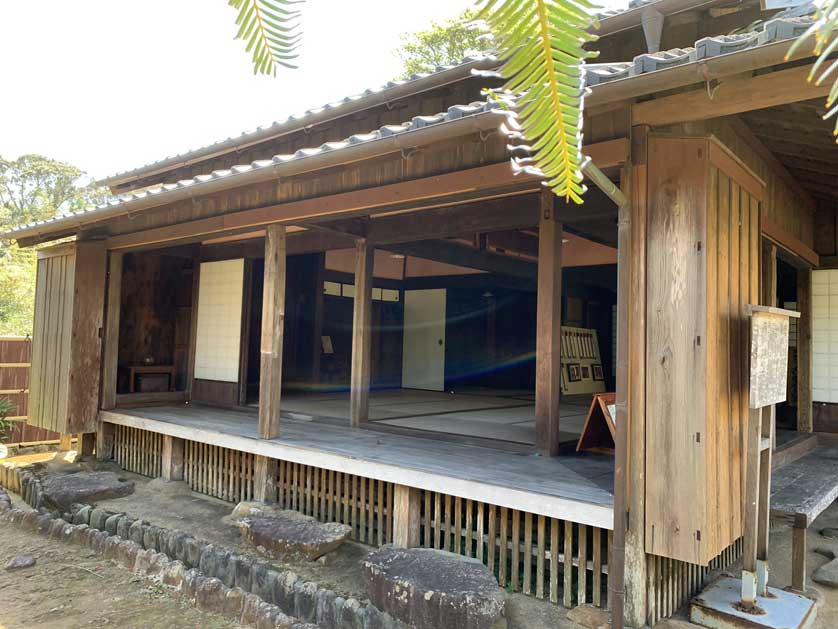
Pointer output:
x,y
824,32
271,31
442,44
32,188
6,409
541,44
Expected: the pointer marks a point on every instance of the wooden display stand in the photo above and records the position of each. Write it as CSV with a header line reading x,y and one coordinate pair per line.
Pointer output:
x,y
600,431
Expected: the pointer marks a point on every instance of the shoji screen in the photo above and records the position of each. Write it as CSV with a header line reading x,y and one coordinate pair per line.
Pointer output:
x,y
219,320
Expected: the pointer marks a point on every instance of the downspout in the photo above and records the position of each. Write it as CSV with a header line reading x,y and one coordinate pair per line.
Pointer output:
x,y
616,572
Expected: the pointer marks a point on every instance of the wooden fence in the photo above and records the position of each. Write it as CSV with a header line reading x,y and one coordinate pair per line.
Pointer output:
x,y
15,352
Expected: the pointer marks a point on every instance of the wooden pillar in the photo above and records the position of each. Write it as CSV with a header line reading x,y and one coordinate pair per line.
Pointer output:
x,y
273,321
193,326
548,356
110,354
264,479
768,290
750,512
173,457
65,443
359,404
85,443
804,351
406,516
798,559
631,343
104,441
317,319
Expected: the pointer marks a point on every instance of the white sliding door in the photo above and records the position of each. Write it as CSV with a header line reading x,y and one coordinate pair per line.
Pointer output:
x,y
423,358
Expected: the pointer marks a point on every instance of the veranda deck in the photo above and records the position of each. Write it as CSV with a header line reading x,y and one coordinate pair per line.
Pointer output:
x,y
574,487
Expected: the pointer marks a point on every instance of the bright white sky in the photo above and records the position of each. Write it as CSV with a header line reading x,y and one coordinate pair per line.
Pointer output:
x,y
109,85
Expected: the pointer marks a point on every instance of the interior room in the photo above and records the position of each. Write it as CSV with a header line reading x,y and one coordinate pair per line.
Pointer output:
x,y
453,328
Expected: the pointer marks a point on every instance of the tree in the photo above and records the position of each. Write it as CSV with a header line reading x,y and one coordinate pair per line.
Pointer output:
x,y
824,32
541,44
442,44
32,188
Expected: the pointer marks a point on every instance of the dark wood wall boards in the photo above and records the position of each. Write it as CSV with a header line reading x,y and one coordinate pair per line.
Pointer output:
x,y
155,314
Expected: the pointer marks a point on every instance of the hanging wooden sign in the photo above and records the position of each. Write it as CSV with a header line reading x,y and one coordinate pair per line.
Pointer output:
x,y
769,354
600,429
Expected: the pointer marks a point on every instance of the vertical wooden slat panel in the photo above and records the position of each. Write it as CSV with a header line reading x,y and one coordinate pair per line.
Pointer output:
x,y
491,542
568,564
539,573
504,540
527,553
516,549
554,560
582,567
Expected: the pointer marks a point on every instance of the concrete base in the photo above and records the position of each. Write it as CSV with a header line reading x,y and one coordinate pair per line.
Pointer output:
x,y
717,607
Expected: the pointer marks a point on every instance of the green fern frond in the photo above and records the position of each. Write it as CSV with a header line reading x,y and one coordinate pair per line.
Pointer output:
x,y
541,45
271,30
824,34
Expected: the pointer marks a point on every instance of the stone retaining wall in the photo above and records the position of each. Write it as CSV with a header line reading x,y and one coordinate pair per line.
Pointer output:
x,y
207,575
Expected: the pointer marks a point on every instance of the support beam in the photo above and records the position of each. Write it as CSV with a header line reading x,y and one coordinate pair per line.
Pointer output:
x,y
359,403
273,326
804,351
110,354
264,479
173,457
65,442
85,443
463,255
631,396
104,441
730,96
548,356
798,559
407,515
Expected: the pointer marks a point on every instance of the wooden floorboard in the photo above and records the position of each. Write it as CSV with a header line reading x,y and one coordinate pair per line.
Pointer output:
x,y
577,487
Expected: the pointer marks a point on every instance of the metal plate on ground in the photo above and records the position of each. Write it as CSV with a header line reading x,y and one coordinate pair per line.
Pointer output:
x,y
717,607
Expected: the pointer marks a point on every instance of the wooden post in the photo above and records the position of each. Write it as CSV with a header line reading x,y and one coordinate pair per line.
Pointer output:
x,y
193,326
548,355
173,451
104,441
85,443
264,479
768,290
317,319
359,405
110,355
798,559
273,321
406,516
804,351
750,515
631,339
65,442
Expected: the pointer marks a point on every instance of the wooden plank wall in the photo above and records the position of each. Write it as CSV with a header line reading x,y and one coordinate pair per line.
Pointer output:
x,y
676,470
15,353
783,204
703,268
49,375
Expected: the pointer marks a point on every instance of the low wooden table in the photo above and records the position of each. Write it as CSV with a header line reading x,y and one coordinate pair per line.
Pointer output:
x,y
800,491
133,370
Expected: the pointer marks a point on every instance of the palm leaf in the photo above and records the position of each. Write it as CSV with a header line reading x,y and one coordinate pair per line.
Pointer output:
x,y
271,30
824,34
541,45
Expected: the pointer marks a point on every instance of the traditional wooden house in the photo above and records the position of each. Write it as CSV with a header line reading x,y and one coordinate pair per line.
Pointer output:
x,y
362,313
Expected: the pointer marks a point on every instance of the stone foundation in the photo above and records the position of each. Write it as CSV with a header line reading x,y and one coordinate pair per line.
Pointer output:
x,y
213,578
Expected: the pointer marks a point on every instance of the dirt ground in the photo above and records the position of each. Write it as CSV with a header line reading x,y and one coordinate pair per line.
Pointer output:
x,y
70,586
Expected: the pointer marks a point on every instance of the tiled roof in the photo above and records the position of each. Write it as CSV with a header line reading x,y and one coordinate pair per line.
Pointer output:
x,y
775,30
418,122
293,121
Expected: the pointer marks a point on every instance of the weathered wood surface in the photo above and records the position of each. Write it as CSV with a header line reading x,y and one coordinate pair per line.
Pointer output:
x,y
802,489
273,330
110,354
361,370
769,359
548,355
703,268
575,487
